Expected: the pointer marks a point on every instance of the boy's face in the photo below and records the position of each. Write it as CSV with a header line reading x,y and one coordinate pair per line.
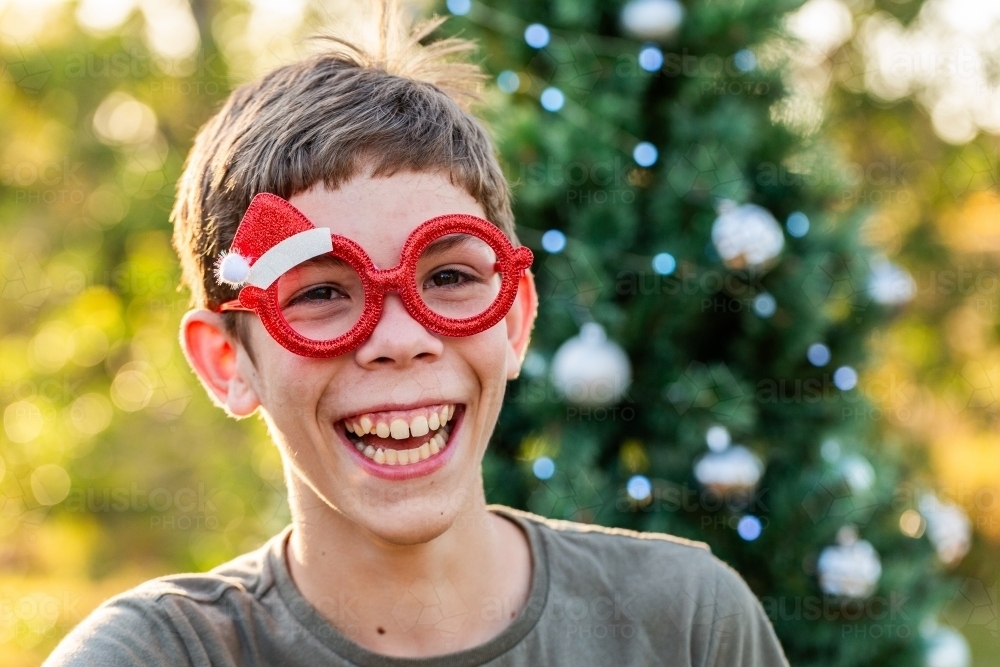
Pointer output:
x,y
402,378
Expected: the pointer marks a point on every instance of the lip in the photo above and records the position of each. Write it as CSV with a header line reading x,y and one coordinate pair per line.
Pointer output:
x,y
411,470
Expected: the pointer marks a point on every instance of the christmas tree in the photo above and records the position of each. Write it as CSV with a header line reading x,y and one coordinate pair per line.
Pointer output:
x,y
698,366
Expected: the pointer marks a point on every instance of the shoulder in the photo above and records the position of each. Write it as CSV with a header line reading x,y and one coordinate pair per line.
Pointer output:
x,y
602,544
155,622
245,575
672,588
690,562
654,563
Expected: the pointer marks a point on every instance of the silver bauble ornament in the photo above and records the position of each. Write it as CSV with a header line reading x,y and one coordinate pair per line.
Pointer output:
x,y
891,284
946,647
948,528
850,568
652,19
727,468
746,236
858,472
591,370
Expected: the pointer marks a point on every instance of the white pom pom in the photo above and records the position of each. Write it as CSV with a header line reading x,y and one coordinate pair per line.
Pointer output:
x,y
232,269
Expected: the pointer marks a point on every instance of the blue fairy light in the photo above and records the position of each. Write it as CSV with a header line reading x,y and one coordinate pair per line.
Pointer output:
x,y
543,467
537,36
552,99
645,154
664,263
553,241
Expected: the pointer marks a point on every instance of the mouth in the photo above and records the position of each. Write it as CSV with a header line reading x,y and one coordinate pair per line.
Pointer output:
x,y
400,444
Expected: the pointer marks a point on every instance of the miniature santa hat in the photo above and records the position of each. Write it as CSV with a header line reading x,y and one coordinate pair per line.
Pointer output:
x,y
272,238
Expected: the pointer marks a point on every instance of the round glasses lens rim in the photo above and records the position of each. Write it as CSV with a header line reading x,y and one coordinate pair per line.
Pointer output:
x,y
377,282
491,266
365,296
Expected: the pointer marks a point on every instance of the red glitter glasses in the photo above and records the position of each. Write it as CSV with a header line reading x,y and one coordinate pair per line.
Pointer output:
x,y
319,294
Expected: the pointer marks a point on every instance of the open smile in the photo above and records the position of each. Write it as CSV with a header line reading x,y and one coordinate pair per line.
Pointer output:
x,y
401,444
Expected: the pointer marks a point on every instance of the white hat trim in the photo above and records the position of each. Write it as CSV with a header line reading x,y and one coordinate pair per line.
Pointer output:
x,y
288,254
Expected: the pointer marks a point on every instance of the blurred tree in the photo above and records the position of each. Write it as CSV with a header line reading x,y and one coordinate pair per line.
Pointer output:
x,y
693,206
114,467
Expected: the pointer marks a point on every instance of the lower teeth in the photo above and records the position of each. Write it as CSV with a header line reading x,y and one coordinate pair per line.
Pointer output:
x,y
406,456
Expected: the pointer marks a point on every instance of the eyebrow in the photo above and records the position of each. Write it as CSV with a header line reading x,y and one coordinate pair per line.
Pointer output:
x,y
324,260
446,243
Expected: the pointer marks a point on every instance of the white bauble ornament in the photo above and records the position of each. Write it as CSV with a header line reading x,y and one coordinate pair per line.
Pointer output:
x,y
948,528
652,19
858,472
734,469
946,647
850,568
717,438
746,236
891,284
591,370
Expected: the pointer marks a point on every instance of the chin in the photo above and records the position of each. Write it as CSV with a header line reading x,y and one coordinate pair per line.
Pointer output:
x,y
407,529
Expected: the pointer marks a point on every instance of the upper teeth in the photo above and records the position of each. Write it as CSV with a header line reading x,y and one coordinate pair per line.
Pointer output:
x,y
399,428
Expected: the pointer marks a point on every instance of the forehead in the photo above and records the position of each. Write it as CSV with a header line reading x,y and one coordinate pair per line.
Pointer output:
x,y
379,213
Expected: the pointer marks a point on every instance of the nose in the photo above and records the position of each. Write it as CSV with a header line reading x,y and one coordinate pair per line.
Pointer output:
x,y
398,339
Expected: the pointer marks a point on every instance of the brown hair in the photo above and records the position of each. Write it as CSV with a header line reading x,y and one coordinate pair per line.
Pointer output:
x,y
327,119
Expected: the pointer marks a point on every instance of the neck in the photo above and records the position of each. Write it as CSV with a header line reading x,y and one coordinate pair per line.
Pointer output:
x,y
454,591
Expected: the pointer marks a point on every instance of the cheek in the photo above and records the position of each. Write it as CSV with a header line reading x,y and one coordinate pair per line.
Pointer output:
x,y
486,354
292,389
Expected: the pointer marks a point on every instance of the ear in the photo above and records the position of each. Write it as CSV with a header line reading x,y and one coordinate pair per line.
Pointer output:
x,y
520,321
222,364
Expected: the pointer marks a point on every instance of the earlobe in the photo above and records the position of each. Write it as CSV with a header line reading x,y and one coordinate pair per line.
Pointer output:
x,y
216,360
520,321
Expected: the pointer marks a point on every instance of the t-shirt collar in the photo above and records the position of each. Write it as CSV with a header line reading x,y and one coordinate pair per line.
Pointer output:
x,y
330,636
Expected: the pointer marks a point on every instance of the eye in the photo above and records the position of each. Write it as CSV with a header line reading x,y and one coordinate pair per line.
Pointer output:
x,y
449,278
317,294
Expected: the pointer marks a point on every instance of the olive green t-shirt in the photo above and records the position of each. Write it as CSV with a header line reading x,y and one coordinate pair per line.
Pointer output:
x,y
599,596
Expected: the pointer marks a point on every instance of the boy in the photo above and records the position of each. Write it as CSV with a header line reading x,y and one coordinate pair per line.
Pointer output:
x,y
381,387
